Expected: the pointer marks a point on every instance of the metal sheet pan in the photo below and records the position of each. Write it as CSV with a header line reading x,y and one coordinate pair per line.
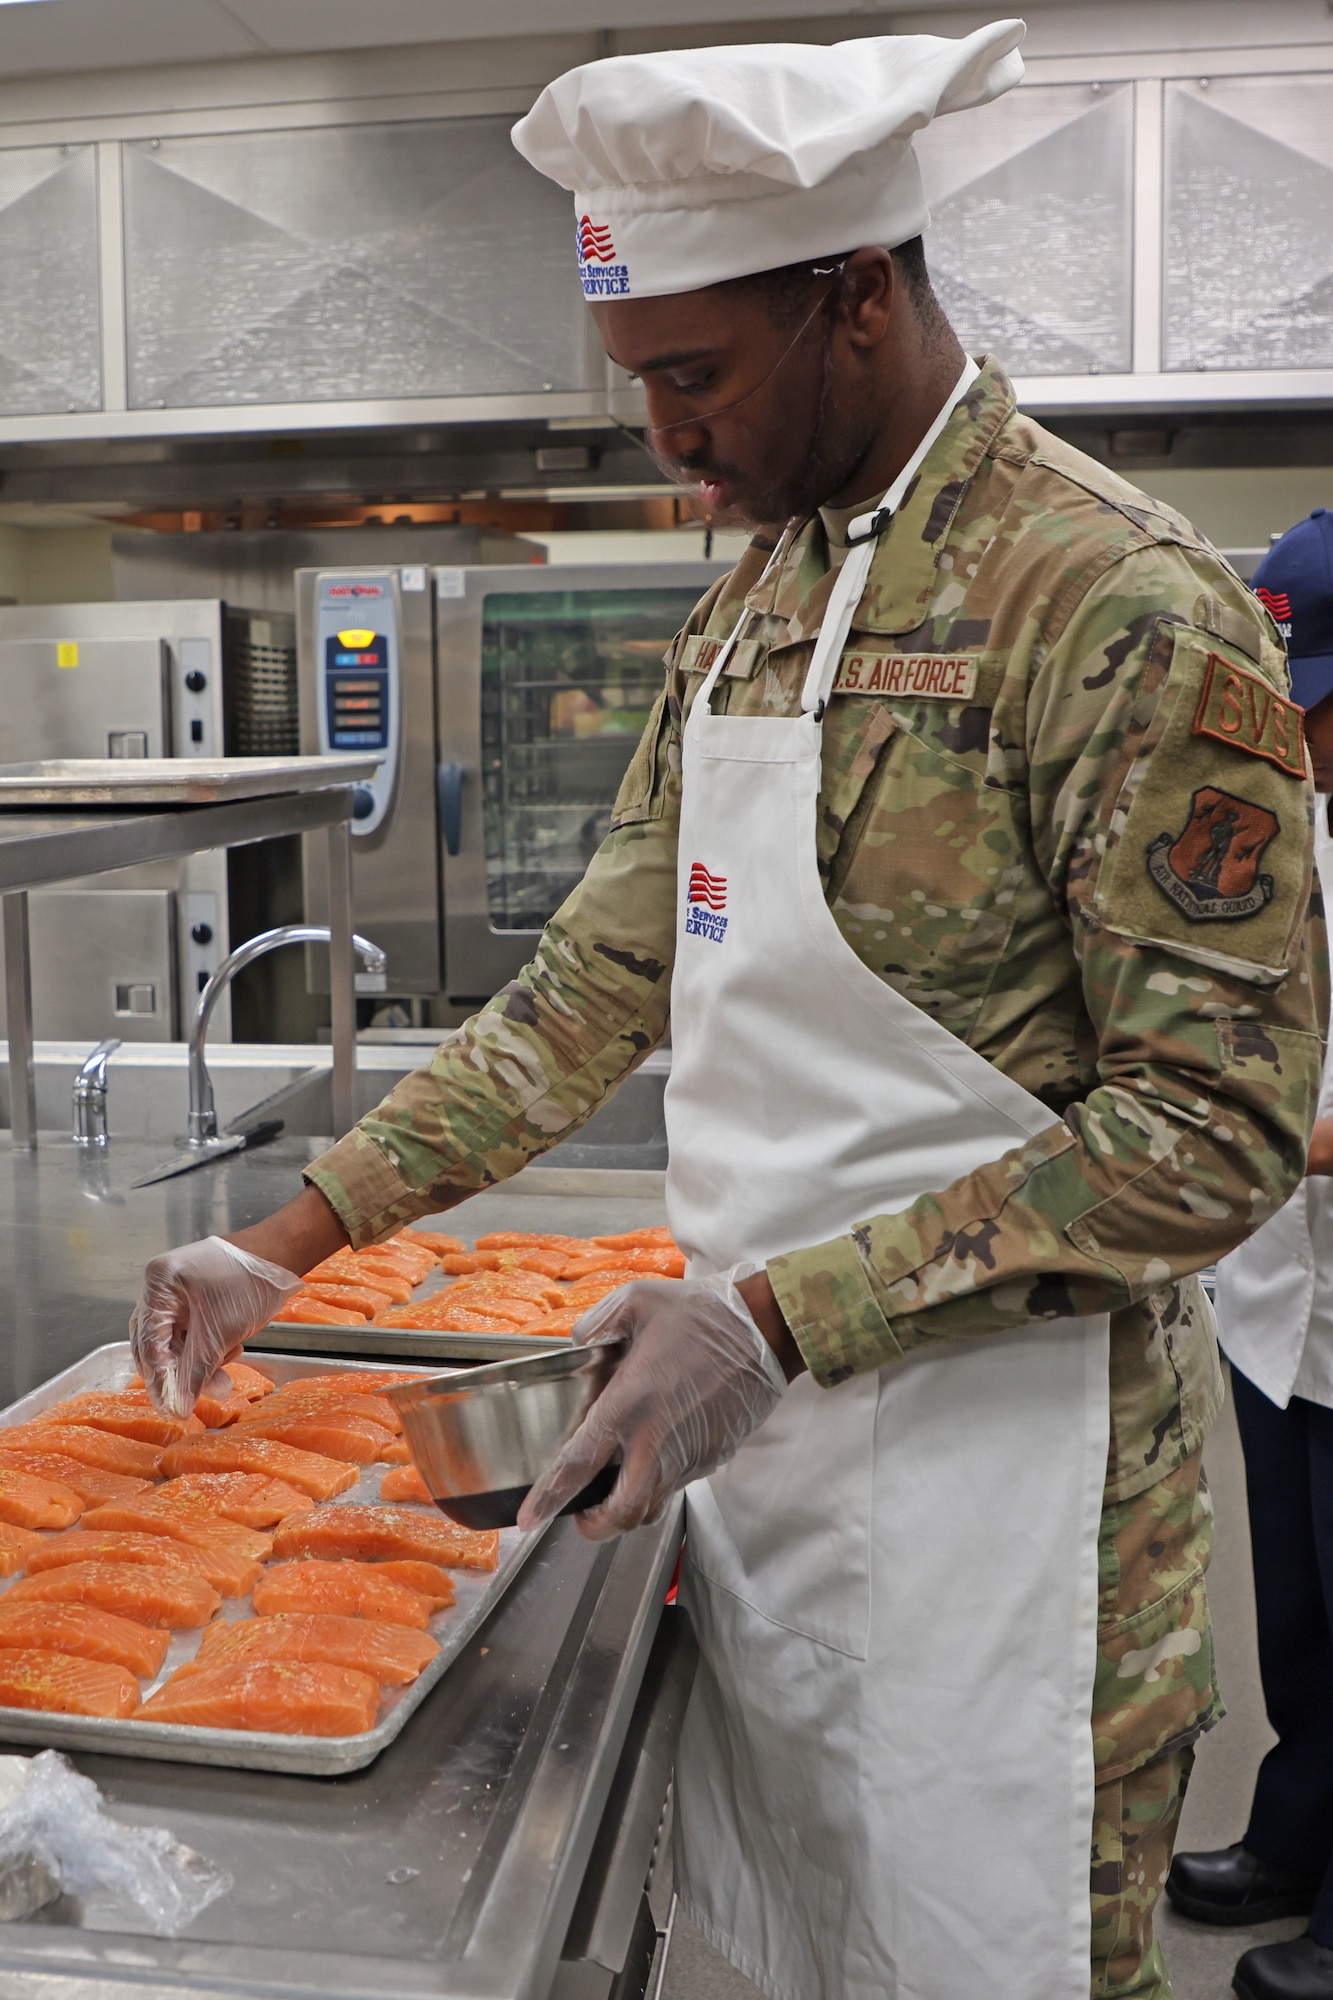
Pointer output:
x,y
311,1756
402,1343
170,781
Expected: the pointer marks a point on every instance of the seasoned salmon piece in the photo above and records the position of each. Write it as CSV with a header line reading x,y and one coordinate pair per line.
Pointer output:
x,y
362,1298
249,1498
104,1450
500,1305
556,1326
160,1596
85,1633
319,1476
404,1482
392,1654
17,1546
92,1485
377,1533
428,1578
360,1381
433,1240
216,1412
340,1269
434,1315
643,1263
127,1416
658,1237
296,1402
351,1589
280,1697
303,1309
182,1520
230,1574
530,1239
586,1292
250,1382
415,1262
32,1678
27,1501
531,1285
353,1439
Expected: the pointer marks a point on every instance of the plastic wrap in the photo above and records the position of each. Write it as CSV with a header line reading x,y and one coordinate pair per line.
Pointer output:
x,y
52,1816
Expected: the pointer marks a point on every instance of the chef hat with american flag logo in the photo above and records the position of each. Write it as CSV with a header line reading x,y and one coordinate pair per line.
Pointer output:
x,y
699,165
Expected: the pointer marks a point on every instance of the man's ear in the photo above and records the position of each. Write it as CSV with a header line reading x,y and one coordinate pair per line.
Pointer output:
x,y
868,289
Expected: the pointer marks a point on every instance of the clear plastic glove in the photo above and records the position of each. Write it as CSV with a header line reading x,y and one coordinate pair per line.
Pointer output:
x,y
692,1377
197,1306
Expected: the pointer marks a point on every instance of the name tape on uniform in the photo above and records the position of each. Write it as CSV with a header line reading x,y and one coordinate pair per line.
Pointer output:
x,y
918,676
1244,710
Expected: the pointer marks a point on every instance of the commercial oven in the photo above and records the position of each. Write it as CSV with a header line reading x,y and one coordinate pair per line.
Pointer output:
x,y
127,954
506,704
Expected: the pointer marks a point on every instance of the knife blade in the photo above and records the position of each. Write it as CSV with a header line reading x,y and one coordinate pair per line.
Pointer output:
x,y
216,1149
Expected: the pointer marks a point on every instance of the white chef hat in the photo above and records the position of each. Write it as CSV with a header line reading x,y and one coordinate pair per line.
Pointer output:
x,y
704,164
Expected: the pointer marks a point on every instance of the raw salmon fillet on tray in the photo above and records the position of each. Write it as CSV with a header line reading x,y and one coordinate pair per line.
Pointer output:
x,y
232,1588
523,1286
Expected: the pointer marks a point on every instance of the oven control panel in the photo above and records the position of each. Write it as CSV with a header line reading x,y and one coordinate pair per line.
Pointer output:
x,y
359,695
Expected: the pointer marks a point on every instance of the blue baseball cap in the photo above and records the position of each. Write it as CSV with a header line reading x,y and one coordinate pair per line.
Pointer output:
x,y
1295,581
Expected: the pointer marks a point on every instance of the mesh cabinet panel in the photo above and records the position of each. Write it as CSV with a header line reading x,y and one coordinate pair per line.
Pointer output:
x,y
1030,240
50,318
1249,223
365,261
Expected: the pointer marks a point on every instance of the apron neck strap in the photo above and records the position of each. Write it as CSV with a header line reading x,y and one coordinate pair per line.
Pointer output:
x,y
863,537
719,665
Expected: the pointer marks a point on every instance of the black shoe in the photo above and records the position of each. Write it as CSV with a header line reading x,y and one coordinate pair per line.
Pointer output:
x,y
1232,1886
1298,1969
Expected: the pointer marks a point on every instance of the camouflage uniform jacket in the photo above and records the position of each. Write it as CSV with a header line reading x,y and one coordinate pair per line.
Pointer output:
x,y
1065,811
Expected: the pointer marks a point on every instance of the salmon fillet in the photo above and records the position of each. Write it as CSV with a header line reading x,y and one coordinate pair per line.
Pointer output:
x,y
216,1412
92,1485
645,1263
84,1633
304,1309
433,1240
347,1401
319,1476
530,1285
530,1239
17,1546
397,1453
65,1686
557,1326
250,1382
657,1237
380,1532
351,1589
428,1578
437,1314
361,1381
250,1498
27,1501
404,1482
283,1697
587,1291
411,1259
395,1283
354,1440
362,1298
103,1450
183,1519
231,1575
126,1416
162,1596
392,1654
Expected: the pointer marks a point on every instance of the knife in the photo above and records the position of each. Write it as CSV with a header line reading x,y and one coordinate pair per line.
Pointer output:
x,y
216,1149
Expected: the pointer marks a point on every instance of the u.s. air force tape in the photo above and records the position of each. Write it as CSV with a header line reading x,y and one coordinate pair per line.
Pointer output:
x,y
911,676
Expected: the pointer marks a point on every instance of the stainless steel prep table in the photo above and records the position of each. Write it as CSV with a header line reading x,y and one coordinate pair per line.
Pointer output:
x,y
497,1791
41,848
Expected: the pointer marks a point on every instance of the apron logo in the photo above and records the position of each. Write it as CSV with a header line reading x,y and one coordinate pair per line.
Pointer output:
x,y
1210,870
1242,709
928,676
706,899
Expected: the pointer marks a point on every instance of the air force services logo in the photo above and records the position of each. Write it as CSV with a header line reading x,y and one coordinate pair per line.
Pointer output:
x,y
1210,869
705,904
601,276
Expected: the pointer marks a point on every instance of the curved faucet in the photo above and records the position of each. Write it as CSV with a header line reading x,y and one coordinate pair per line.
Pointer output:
x,y
90,1096
203,1126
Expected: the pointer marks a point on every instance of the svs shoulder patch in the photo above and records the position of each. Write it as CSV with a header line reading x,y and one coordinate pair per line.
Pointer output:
x,y
1210,867
1246,711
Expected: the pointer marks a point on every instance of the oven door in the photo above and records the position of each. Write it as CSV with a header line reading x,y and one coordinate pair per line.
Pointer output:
x,y
544,681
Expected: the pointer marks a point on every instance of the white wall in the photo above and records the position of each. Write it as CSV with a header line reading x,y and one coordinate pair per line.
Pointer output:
x,y
635,545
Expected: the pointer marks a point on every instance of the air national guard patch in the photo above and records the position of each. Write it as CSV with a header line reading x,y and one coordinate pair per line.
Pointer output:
x,y
1210,869
1244,710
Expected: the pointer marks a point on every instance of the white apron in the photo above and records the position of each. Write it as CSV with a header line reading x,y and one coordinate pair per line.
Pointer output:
x,y
1275,1293
884,1786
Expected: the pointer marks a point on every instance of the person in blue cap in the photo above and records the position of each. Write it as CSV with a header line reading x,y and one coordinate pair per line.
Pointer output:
x,y
1275,1319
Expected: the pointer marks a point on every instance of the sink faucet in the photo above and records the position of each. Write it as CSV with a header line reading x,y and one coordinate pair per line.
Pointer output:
x,y
203,1126
90,1096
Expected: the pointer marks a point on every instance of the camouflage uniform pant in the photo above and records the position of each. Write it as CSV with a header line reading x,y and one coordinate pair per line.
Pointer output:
x,y
1156,1691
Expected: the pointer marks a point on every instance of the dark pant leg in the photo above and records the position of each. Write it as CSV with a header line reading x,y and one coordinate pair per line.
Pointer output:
x,y
1291,1820
1320,1427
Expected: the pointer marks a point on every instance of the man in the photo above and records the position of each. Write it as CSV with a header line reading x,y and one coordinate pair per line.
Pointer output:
x,y
973,1064
1273,1303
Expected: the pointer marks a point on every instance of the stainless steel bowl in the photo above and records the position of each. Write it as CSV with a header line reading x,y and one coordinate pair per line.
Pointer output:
x,y
481,1439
